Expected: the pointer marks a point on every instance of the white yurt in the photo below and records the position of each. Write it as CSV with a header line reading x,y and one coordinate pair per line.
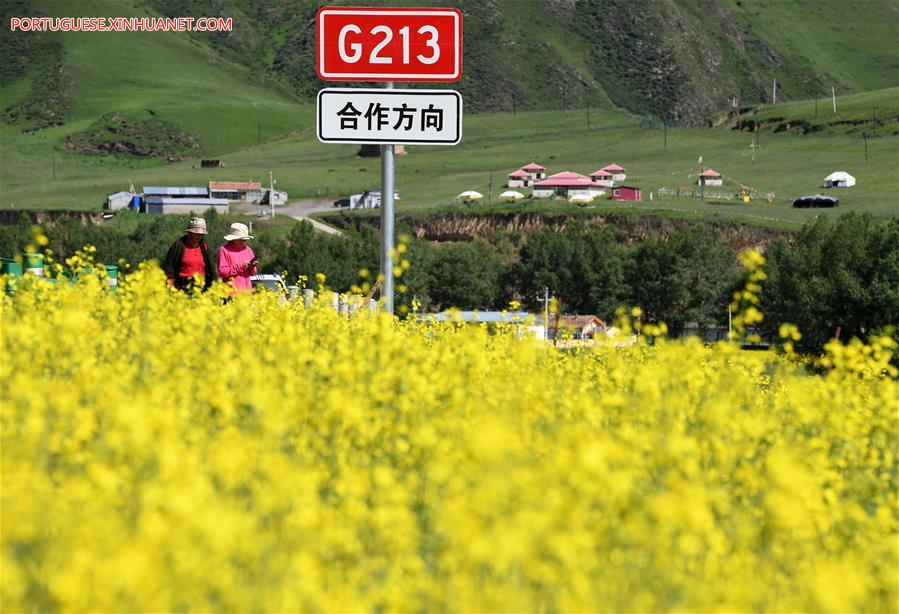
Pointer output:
x,y
839,179
511,196
469,196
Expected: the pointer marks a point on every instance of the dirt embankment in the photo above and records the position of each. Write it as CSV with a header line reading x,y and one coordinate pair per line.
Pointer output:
x,y
47,217
780,124
626,229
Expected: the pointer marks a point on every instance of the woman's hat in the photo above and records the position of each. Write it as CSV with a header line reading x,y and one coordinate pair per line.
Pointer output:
x,y
197,225
238,231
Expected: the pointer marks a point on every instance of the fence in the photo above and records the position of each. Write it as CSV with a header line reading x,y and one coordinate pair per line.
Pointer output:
x,y
692,192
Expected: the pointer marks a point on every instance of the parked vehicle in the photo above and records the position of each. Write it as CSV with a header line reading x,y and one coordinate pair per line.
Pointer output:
x,y
269,281
342,202
370,199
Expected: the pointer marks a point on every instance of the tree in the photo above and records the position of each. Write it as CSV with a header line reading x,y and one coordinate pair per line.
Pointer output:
x,y
464,275
684,279
836,274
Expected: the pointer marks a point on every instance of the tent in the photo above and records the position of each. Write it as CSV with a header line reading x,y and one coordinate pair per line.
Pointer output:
x,y
816,200
470,195
839,179
511,196
581,199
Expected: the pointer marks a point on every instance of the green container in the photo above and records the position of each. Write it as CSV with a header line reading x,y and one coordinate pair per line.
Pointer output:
x,y
10,267
34,264
13,271
112,271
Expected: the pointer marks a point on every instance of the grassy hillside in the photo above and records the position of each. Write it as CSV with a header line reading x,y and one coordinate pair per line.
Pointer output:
x,y
678,60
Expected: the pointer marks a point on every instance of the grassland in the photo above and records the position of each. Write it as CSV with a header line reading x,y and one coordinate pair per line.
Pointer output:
x,y
787,165
255,126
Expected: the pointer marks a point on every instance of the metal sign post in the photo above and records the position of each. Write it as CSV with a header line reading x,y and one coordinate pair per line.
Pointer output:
x,y
388,180
389,44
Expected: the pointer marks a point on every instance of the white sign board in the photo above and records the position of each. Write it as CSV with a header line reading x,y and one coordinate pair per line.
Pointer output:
x,y
382,116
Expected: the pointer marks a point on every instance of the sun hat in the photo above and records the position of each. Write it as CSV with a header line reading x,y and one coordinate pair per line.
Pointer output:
x,y
197,225
238,231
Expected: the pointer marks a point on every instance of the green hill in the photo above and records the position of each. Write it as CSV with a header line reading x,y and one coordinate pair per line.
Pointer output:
x,y
678,60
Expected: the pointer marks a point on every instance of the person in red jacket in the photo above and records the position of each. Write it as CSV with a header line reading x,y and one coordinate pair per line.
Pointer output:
x,y
236,260
189,256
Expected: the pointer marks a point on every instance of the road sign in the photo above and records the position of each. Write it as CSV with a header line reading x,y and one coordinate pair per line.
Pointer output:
x,y
386,116
389,44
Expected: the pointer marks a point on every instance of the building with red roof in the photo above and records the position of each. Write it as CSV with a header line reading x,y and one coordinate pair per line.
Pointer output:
x,y
602,177
537,172
567,184
239,191
617,172
710,177
519,179
575,327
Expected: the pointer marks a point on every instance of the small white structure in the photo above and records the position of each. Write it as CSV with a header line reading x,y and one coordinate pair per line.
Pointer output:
x,y
280,198
579,199
519,179
839,179
616,171
469,196
511,196
710,177
119,200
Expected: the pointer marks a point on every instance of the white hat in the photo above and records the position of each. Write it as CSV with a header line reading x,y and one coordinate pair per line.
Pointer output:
x,y
197,226
238,231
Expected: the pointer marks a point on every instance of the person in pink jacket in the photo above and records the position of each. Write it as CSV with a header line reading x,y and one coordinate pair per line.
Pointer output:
x,y
236,260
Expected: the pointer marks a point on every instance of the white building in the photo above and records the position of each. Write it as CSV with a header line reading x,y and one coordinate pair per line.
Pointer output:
x,y
163,205
616,171
119,200
710,177
519,179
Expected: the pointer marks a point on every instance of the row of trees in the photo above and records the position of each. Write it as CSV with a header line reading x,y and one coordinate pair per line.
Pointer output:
x,y
833,273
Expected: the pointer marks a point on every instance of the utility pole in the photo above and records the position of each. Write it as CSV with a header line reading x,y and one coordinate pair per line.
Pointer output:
x,y
545,300
774,92
271,192
833,92
865,136
490,189
752,147
701,181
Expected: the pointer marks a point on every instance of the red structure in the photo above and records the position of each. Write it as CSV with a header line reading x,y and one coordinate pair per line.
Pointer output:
x,y
626,192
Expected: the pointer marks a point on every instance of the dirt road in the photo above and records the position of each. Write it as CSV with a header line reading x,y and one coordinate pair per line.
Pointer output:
x,y
298,210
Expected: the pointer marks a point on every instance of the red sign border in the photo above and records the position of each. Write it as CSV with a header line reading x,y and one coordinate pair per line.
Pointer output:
x,y
370,10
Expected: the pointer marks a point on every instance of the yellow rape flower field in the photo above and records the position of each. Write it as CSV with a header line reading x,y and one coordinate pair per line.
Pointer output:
x,y
162,452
